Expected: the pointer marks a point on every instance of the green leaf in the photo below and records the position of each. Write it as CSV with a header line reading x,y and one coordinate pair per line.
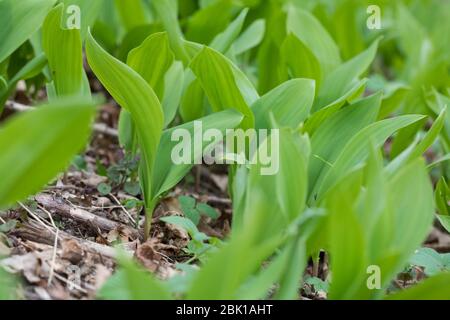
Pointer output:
x,y
104,189
131,13
287,176
169,174
173,82
89,11
301,61
184,223
289,103
250,38
318,117
313,35
152,59
186,202
132,93
223,41
27,164
330,138
167,11
63,49
28,14
356,150
206,23
419,149
344,77
347,243
218,81
207,211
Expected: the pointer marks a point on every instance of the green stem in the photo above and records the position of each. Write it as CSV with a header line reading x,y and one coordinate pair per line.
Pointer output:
x,y
148,218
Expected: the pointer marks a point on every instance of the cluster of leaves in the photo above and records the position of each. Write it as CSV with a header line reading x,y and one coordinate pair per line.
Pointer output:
x,y
296,66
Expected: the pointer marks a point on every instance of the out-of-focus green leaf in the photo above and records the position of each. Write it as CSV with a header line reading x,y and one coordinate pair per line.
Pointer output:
x,y
29,163
131,13
28,14
133,283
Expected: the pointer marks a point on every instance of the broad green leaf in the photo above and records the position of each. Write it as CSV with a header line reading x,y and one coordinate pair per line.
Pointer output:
x,y
223,41
289,103
217,79
347,243
88,13
168,173
329,139
152,59
286,174
356,150
132,93
301,61
167,11
206,23
318,117
344,77
135,37
250,38
434,288
63,49
131,13
419,149
173,83
28,14
313,35
27,164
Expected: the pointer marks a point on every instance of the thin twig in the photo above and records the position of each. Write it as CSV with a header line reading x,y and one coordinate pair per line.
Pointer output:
x,y
31,213
123,208
52,266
